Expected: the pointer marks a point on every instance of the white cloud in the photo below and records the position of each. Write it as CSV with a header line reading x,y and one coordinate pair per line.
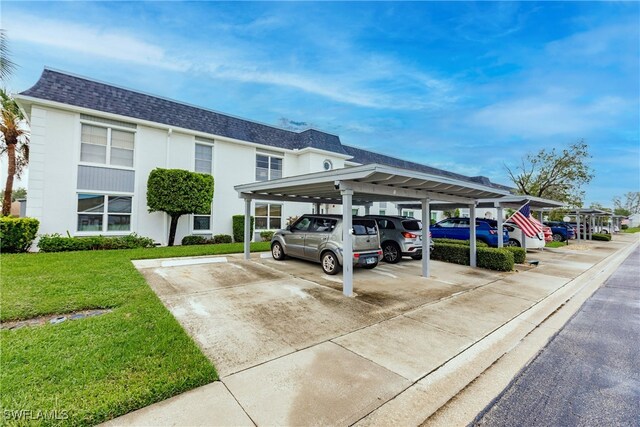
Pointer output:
x,y
89,40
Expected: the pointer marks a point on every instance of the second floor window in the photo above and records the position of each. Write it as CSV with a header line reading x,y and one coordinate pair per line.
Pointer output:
x,y
204,159
106,145
268,167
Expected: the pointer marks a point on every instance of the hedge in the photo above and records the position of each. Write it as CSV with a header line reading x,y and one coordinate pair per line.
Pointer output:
x,y
17,234
58,243
201,240
238,228
601,236
519,254
624,226
266,235
479,243
491,258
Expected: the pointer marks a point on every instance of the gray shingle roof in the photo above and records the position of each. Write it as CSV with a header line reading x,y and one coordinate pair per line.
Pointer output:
x,y
82,92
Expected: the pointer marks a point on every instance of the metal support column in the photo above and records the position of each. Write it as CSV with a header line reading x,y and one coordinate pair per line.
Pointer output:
x,y
578,228
426,249
347,243
472,235
247,228
317,205
500,226
367,208
592,224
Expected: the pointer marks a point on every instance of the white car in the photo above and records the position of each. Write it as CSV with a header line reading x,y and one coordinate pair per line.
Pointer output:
x,y
605,229
516,234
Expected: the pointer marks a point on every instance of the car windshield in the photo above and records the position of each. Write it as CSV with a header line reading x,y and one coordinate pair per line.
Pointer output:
x,y
412,225
364,226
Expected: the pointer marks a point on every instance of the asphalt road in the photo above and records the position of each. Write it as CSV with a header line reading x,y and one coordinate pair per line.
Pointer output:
x,y
589,374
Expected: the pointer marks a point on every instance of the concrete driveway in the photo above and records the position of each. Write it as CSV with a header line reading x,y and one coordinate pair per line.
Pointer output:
x,y
292,350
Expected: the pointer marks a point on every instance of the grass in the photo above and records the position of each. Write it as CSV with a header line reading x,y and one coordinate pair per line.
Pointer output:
x,y
97,368
632,230
554,244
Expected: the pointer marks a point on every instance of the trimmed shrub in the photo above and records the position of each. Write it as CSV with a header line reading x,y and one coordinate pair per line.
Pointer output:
x,y
194,240
602,236
490,258
17,234
500,259
58,243
479,243
519,254
624,226
222,238
266,235
238,228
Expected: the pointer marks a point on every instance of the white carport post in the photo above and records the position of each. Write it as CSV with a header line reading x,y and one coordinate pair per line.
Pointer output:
x,y
347,243
578,227
592,223
317,205
247,228
367,208
500,225
426,248
472,235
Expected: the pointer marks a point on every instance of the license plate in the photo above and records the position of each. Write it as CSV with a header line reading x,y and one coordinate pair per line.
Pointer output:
x,y
371,260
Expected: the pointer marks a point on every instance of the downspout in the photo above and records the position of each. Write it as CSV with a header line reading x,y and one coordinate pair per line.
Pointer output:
x,y
166,165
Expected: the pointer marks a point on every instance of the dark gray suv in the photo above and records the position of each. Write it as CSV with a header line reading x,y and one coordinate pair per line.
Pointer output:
x,y
399,236
319,238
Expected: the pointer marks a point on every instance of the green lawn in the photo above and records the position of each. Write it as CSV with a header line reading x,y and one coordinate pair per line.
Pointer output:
x,y
555,244
97,368
632,230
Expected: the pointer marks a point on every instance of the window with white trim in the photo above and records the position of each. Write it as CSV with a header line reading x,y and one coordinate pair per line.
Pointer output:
x,y
102,213
203,164
268,216
106,145
268,167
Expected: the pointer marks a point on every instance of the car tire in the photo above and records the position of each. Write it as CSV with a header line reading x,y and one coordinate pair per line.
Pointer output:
x,y
277,252
370,266
330,263
513,243
557,237
391,252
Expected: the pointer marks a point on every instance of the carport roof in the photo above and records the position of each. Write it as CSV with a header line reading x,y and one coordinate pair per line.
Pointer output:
x,y
370,183
510,201
589,211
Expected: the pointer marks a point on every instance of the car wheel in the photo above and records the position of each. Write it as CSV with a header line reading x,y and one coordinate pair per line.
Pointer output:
x,y
370,266
557,237
330,263
391,252
512,242
417,257
277,252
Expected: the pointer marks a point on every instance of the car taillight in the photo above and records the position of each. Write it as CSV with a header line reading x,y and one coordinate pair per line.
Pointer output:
x,y
380,253
408,235
492,231
356,255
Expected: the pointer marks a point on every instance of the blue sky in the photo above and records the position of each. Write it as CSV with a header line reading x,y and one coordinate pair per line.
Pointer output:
x,y
467,87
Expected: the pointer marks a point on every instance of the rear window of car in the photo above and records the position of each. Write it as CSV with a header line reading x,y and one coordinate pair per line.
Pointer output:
x,y
363,227
412,225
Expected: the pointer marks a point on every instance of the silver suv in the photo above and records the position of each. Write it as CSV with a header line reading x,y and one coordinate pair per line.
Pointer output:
x,y
318,238
400,236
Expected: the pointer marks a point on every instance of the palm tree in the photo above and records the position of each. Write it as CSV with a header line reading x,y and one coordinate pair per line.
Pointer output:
x,y
7,66
15,142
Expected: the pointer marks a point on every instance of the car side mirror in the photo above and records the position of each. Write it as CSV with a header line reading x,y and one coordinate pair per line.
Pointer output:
x,y
289,228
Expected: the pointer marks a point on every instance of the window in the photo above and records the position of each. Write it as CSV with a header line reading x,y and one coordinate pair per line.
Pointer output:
x,y
268,216
409,214
327,165
101,213
382,212
302,224
107,146
354,211
383,205
323,225
204,159
385,224
268,167
203,164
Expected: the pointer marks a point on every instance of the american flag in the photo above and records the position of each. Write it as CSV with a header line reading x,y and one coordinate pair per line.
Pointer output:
x,y
529,225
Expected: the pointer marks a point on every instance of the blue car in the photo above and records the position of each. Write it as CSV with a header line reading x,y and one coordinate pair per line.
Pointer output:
x,y
561,230
458,228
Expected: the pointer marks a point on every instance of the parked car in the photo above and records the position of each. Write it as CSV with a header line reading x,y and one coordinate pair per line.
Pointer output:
x,y
399,236
605,229
516,235
318,238
548,234
458,228
561,231
581,227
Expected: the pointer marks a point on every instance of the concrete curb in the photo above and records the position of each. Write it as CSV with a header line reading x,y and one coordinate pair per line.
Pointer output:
x,y
427,396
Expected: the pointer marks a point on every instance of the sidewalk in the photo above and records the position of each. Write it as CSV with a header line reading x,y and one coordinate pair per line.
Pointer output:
x,y
405,363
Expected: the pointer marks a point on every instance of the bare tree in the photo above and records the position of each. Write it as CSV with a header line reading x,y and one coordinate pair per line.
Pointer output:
x,y
554,175
628,204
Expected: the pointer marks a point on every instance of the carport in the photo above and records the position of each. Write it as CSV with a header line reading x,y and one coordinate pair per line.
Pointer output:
x,y
511,201
363,185
592,217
